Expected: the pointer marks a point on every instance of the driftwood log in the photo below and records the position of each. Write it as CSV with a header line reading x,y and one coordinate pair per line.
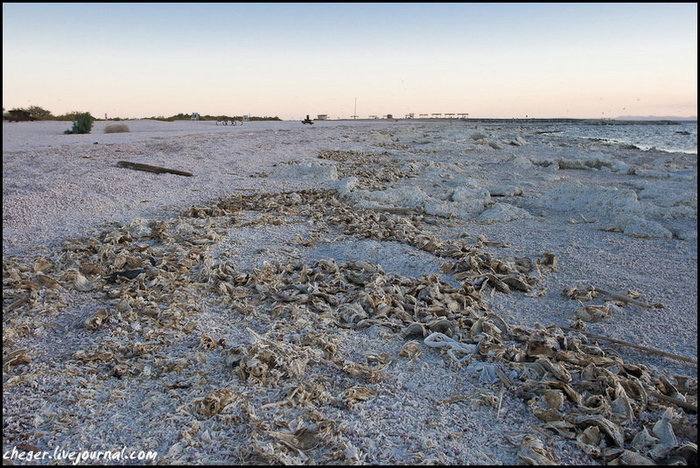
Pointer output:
x,y
635,346
149,168
676,401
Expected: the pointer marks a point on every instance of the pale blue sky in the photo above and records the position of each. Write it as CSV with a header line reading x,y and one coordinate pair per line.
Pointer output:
x,y
490,60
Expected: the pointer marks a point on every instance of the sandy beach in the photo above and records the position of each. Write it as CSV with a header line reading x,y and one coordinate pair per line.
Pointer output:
x,y
349,292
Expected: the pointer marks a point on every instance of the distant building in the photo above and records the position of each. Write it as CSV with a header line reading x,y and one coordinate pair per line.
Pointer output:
x,y
322,117
389,116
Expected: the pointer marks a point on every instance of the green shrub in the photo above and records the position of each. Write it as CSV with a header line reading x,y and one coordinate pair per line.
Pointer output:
x,y
82,124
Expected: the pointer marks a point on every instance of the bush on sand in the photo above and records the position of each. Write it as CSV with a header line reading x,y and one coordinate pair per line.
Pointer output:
x,y
117,128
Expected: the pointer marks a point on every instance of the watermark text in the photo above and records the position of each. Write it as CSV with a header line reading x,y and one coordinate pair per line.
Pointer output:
x,y
77,457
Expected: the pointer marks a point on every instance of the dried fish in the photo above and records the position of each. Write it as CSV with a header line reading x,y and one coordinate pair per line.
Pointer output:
x,y
15,358
542,343
686,453
440,340
213,403
533,452
554,398
410,350
351,313
207,342
548,263
47,282
557,369
443,326
590,440
643,441
546,414
358,393
593,313
621,406
413,330
94,322
483,398
663,431
79,281
158,280
628,457
371,374
612,430
516,282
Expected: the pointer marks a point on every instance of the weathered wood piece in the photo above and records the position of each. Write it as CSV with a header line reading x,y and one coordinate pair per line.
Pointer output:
x,y
676,401
632,345
149,168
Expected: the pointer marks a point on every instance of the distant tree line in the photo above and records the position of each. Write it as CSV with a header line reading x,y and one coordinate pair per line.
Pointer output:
x,y
210,117
39,113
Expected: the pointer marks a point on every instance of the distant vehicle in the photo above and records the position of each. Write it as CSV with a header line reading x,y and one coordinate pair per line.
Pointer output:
x,y
230,122
195,116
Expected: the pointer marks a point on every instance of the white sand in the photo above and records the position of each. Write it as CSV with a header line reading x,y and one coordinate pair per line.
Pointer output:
x,y
59,186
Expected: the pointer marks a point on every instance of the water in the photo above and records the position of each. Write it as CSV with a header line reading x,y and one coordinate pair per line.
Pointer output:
x,y
681,138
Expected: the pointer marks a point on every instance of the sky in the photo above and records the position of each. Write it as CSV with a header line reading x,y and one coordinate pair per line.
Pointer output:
x,y
490,60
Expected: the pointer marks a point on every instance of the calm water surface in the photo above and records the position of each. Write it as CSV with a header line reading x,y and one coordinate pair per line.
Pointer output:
x,y
681,138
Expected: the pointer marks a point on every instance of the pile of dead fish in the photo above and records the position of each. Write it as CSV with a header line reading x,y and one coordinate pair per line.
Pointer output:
x,y
374,171
156,273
